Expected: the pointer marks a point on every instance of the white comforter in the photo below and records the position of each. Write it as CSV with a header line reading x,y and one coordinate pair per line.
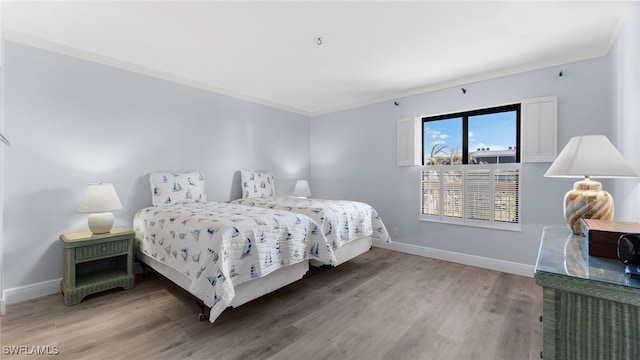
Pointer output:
x,y
340,221
221,245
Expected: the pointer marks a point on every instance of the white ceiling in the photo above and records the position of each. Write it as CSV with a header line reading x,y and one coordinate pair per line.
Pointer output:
x,y
371,51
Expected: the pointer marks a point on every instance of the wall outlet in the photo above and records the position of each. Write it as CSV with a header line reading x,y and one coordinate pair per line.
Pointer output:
x,y
396,232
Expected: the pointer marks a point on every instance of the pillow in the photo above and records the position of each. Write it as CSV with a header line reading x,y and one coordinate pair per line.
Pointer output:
x,y
257,184
177,188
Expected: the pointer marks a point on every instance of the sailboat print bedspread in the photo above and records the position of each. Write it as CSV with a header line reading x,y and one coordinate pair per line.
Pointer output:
x,y
341,221
220,245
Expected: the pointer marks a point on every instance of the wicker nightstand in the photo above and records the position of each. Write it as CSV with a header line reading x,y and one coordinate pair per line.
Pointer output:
x,y
96,262
590,308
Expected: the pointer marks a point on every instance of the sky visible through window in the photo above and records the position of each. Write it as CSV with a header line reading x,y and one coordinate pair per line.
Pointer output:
x,y
492,131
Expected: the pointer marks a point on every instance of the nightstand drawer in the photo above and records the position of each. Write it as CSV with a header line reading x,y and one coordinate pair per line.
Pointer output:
x,y
98,250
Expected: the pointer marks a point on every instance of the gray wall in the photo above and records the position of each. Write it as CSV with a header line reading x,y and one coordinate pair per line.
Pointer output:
x,y
353,155
73,122
625,89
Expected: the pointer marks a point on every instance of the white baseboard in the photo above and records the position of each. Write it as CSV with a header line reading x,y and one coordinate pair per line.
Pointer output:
x,y
466,259
32,291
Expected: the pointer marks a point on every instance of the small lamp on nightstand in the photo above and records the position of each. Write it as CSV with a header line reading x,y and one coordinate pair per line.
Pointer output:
x,y
589,156
100,199
301,190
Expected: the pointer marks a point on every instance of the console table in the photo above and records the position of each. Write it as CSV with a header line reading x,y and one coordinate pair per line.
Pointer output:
x,y
591,309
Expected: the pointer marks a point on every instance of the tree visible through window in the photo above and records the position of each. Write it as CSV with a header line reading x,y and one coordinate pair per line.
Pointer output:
x,y
471,167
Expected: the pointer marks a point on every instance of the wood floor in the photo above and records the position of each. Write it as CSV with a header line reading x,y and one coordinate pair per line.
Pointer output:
x,y
381,305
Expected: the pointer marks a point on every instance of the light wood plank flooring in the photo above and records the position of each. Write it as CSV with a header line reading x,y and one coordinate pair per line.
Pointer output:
x,y
381,305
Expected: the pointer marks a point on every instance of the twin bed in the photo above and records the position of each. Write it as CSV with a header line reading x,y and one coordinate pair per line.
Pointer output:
x,y
227,254
349,226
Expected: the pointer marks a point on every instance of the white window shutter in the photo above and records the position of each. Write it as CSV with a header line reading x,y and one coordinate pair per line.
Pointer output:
x,y
483,195
431,194
539,129
409,142
506,189
453,192
479,199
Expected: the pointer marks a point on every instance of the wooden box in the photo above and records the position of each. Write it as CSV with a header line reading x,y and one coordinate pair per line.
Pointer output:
x,y
603,235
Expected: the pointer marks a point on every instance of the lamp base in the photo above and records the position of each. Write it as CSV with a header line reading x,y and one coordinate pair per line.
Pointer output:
x,y
587,200
100,223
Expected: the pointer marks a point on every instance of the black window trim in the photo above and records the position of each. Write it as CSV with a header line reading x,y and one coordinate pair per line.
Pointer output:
x,y
465,126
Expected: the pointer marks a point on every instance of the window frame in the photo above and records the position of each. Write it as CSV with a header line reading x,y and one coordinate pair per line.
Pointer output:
x,y
466,216
517,107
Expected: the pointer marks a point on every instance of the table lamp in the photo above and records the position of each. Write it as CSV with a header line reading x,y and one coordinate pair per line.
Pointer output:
x,y
590,156
301,190
99,200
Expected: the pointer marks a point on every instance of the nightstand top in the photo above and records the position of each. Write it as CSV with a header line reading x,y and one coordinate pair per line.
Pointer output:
x,y
567,255
88,235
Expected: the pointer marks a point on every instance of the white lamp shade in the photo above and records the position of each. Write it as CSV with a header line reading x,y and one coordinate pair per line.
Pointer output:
x,y
302,189
100,197
590,156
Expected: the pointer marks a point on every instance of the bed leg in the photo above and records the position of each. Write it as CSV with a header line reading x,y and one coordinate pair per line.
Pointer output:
x,y
140,267
203,311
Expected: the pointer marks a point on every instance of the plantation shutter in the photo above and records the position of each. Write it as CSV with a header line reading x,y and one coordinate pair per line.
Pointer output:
x,y
452,181
409,144
507,195
485,195
431,192
539,129
479,197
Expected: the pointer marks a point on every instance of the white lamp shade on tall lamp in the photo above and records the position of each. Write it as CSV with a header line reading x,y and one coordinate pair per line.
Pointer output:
x,y
302,189
589,156
100,199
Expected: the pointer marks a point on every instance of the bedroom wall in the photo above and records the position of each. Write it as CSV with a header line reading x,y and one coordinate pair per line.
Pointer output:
x,y
625,69
73,122
353,155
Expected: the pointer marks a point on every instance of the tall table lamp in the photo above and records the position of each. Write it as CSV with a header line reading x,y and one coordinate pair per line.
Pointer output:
x,y
302,190
589,156
99,200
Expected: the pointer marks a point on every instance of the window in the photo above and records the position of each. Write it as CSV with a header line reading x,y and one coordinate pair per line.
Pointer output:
x,y
471,168
486,136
